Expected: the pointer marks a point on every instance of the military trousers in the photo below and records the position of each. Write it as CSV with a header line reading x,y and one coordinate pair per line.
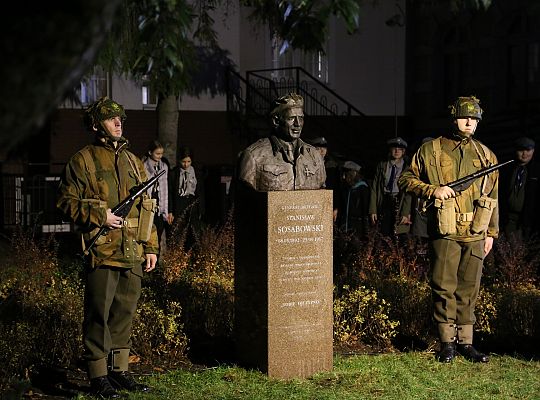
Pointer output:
x,y
456,269
110,303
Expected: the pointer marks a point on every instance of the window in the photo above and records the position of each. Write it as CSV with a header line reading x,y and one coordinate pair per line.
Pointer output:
x,y
149,96
94,86
283,56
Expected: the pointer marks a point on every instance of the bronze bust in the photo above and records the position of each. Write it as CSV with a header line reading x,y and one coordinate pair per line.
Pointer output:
x,y
283,161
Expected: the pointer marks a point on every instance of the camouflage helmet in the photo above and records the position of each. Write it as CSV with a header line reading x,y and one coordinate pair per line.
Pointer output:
x,y
465,107
290,100
101,110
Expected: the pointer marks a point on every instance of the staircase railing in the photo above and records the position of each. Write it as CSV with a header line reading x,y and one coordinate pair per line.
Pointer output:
x,y
319,99
249,101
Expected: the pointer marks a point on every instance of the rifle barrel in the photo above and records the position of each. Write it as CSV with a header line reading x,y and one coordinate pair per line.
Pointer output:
x,y
140,189
477,174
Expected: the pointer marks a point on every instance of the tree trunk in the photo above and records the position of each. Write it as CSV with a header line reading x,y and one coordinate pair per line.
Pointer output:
x,y
167,110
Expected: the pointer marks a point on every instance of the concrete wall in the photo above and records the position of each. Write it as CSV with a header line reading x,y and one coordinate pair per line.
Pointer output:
x,y
364,67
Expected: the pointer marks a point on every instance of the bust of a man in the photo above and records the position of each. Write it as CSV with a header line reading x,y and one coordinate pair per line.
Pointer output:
x,y
283,161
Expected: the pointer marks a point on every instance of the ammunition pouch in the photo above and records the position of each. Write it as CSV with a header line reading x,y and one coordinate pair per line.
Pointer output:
x,y
146,219
482,214
446,216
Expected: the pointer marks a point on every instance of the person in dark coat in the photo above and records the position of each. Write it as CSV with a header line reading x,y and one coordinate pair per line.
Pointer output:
x,y
519,197
184,197
353,201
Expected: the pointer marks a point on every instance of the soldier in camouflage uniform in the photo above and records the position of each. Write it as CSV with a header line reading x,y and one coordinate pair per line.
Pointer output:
x,y
283,161
95,180
461,226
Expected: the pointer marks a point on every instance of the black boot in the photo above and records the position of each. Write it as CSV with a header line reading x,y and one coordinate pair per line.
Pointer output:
x,y
447,352
471,354
101,387
124,380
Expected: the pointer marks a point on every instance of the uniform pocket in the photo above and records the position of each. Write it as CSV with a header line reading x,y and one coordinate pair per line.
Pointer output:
x,y
146,219
482,214
446,216
274,177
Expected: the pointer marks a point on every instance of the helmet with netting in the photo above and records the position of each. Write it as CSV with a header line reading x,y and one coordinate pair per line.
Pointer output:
x,y
466,107
101,110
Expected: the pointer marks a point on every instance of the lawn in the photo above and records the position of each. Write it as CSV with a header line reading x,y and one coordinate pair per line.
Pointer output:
x,y
413,375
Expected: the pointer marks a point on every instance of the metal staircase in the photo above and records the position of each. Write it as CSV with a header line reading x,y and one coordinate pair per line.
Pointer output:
x,y
249,102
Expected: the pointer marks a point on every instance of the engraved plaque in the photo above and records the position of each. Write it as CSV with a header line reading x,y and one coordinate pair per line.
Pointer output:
x,y
288,300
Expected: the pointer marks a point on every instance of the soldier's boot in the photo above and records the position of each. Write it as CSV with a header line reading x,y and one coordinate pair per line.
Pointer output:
x,y
100,386
447,337
119,376
465,347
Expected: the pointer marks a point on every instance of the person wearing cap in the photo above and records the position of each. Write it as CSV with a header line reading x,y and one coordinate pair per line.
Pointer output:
x,y
353,201
390,208
461,226
283,161
94,181
519,197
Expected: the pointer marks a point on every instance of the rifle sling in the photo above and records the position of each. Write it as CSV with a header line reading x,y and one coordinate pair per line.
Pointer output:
x,y
91,170
437,153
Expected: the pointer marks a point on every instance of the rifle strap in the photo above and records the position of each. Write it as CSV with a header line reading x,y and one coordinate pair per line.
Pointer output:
x,y
133,164
90,169
483,161
437,153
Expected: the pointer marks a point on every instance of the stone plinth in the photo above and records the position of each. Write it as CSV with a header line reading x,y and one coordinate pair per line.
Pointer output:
x,y
283,282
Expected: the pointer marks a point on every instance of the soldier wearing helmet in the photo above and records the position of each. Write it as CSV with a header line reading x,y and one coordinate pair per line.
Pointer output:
x,y
105,117
94,181
283,161
461,226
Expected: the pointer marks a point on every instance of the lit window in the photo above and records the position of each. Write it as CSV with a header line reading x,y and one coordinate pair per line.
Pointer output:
x,y
95,86
149,96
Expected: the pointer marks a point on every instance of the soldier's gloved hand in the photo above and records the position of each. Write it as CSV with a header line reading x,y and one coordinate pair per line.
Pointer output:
x,y
444,192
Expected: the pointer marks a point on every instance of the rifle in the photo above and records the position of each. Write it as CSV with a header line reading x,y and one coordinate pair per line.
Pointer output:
x,y
122,209
463,183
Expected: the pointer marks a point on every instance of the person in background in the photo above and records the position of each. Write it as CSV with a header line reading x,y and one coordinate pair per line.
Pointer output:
x,y
390,208
461,226
353,201
519,192
282,161
333,171
184,196
96,179
419,229
153,163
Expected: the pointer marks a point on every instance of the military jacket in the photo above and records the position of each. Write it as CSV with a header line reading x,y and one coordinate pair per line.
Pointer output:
x,y
456,159
266,166
116,172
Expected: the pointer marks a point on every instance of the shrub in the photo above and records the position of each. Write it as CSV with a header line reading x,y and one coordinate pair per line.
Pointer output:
x,y
518,313
409,302
514,262
158,330
40,309
486,311
203,280
359,315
